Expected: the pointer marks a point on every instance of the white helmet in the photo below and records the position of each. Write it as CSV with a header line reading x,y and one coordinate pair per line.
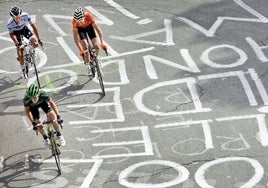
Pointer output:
x,y
79,14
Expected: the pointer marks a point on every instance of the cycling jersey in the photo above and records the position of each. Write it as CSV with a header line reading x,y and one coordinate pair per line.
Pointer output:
x,y
89,19
44,97
42,103
13,26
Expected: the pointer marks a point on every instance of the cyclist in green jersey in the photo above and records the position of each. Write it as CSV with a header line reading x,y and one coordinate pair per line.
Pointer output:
x,y
36,98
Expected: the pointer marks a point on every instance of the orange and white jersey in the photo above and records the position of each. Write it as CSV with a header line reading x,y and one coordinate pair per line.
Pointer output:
x,y
89,19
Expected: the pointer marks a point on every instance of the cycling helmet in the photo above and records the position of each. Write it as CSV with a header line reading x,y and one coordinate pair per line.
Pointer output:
x,y
79,14
32,91
15,11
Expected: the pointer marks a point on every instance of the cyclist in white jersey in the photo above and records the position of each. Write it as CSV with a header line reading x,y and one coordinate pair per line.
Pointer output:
x,y
17,26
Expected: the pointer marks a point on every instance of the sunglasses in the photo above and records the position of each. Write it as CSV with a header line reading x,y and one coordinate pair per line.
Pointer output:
x,y
17,17
81,20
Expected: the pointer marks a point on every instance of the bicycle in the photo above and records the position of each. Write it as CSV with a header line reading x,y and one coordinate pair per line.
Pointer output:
x,y
29,57
95,66
53,141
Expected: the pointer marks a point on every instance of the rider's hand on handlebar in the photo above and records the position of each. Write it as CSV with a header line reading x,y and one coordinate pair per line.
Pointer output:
x,y
19,46
81,53
34,126
41,42
104,46
59,119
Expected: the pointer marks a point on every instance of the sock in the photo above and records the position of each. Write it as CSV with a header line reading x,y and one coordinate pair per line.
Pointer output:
x,y
22,67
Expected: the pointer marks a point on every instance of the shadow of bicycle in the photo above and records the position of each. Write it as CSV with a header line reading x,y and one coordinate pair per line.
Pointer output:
x,y
20,170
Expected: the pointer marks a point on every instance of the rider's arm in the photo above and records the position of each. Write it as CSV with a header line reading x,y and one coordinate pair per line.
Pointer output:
x,y
14,38
28,113
77,39
99,32
36,32
53,106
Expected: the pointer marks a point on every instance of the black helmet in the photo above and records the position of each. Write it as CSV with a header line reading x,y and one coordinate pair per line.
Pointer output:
x,y
15,11
79,14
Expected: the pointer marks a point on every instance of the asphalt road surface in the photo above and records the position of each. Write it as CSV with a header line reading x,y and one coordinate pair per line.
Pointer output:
x,y
186,96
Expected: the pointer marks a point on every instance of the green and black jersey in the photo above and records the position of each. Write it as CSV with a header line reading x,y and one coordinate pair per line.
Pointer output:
x,y
43,97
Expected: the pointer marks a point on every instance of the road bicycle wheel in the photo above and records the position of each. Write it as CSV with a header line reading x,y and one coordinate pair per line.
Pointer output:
x,y
25,72
26,64
36,71
27,69
55,151
100,77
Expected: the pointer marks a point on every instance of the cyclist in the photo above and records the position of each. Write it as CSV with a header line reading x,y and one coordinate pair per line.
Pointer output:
x,y
17,26
36,98
84,23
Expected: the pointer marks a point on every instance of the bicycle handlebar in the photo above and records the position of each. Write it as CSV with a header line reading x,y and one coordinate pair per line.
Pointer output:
x,y
29,43
47,122
91,51
106,52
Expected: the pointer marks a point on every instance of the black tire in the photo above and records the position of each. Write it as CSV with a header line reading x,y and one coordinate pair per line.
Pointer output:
x,y
27,69
36,73
55,152
25,76
93,72
100,78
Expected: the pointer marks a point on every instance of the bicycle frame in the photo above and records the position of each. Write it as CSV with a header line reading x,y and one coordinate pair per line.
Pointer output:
x,y
97,68
53,141
29,58
54,145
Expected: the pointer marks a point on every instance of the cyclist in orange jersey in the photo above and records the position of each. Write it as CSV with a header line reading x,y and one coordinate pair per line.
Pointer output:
x,y
85,24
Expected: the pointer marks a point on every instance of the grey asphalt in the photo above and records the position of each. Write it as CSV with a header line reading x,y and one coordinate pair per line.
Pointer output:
x,y
185,102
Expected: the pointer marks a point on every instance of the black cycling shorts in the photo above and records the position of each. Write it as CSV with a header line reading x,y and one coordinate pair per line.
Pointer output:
x,y
35,110
25,31
84,31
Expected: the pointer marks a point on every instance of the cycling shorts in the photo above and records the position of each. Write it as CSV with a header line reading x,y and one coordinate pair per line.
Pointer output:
x,y
25,31
35,110
88,30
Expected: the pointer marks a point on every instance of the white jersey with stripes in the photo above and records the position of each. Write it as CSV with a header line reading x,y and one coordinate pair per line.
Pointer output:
x,y
13,26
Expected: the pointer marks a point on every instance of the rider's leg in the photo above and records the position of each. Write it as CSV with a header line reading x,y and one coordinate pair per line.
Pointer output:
x,y
52,116
21,61
87,61
20,56
33,40
41,128
42,131
19,51
36,116
30,36
93,37
84,44
95,43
